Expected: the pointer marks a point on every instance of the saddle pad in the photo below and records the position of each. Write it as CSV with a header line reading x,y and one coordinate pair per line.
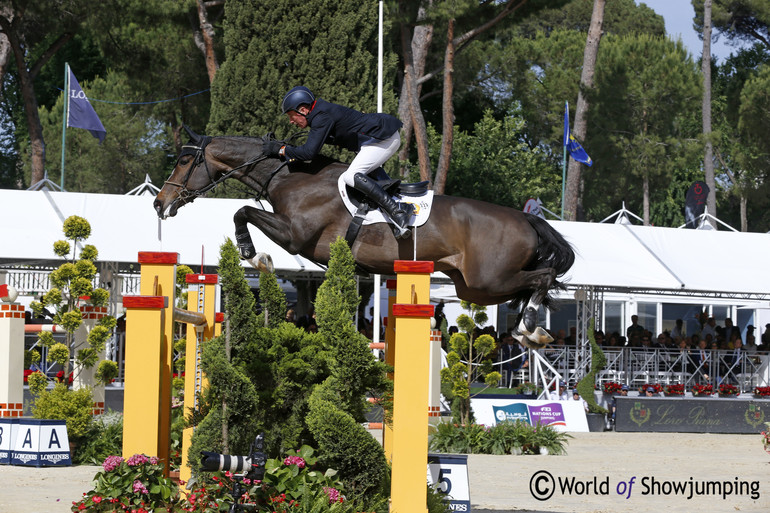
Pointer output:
x,y
422,206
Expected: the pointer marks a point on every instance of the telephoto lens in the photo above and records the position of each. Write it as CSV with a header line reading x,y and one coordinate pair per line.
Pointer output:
x,y
213,461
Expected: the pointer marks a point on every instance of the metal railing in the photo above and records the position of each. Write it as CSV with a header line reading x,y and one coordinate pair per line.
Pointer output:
x,y
636,367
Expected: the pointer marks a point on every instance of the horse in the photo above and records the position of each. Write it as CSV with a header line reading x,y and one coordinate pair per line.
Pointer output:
x,y
493,254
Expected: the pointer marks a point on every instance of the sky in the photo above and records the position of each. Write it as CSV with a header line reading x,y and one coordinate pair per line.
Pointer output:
x,y
678,15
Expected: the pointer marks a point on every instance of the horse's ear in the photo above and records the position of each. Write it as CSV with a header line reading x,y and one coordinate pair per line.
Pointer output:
x,y
192,134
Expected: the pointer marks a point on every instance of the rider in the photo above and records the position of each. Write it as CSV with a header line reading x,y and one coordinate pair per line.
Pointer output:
x,y
374,137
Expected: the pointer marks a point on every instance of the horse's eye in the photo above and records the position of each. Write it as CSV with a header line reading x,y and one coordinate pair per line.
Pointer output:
x,y
185,159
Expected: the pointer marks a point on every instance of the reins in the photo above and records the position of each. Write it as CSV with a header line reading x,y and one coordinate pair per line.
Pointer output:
x,y
186,195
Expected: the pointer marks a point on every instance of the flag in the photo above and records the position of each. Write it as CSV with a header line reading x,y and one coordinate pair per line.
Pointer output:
x,y
574,148
695,203
532,206
80,113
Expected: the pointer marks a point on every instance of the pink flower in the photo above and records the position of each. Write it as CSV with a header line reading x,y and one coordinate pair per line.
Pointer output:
x,y
333,493
139,487
137,459
111,463
96,499
294,460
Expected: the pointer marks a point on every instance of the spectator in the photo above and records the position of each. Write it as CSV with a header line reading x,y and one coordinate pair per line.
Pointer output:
x,y
709,328
576,397
614,402
766,338
635,328
678,331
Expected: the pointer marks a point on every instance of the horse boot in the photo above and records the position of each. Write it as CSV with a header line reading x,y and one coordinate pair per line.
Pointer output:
x,y
260,261
399,212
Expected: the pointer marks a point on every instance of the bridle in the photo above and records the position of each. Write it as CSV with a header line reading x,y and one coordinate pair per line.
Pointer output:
x,y
198,151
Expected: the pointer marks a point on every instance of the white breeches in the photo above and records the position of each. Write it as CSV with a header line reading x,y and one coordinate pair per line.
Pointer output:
x,y
372,155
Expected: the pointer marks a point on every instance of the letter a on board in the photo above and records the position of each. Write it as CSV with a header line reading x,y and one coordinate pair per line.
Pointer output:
x,y
27,439
54,440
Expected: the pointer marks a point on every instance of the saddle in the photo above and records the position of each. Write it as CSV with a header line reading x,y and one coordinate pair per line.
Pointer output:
x,y
363,204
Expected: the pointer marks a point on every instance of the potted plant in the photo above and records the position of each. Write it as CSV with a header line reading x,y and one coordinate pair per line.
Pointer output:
x,y
673,390
611,387
596,415
762,391
766,438
728,390
699,390
528,388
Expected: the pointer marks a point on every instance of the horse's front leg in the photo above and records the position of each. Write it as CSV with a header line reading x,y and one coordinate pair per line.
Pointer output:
x,y
273,225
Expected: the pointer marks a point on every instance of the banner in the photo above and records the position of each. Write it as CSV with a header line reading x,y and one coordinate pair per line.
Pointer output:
x,y
80,113
574,148
695,203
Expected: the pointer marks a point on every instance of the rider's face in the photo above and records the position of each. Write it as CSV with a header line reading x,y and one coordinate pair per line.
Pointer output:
x,y
297,118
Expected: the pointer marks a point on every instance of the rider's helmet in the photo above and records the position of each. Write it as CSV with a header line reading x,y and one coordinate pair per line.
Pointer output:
x,y
299,95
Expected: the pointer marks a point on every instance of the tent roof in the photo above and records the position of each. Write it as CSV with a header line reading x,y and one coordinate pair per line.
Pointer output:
x,y
610,256
668,260
122,226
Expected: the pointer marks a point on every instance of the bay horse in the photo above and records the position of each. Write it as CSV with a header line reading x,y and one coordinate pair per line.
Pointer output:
x,y
493,254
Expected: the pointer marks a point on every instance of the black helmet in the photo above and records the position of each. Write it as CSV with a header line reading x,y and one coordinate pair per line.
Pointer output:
x,y
299,95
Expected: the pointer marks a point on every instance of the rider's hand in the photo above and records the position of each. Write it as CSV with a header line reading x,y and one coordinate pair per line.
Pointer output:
x,y
272,148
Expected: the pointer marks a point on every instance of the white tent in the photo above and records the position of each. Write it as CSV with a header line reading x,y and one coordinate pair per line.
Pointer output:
x,y
122,226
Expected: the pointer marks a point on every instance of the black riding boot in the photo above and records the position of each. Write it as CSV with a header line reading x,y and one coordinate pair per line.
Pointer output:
x,y
398,212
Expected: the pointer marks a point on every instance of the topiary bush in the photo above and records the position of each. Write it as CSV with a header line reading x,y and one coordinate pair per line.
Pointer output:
x,y
585,386
73,406
347,446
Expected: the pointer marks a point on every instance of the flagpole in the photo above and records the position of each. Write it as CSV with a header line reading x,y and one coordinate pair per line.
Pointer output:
x,y
64,119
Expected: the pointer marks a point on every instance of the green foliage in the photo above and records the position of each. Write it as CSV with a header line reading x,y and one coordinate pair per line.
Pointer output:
x,y
59,353
329,47
494,155
106,371
73,406
104,437
89,253
503,438
76,228
585,386
37,383
272,299
129,485
61,248
347,446
353,367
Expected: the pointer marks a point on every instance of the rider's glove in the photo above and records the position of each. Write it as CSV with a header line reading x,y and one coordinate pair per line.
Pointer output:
x,y
272,148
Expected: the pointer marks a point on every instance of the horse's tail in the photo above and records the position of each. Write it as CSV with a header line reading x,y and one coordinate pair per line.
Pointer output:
x,y
553,251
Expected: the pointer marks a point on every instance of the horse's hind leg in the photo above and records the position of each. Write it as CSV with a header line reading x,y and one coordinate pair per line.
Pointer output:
x,y
527,327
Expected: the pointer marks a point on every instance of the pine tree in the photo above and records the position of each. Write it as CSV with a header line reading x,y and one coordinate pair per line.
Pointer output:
x,y
272,46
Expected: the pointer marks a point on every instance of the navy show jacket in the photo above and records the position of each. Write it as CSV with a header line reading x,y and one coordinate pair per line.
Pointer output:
x,y
343,127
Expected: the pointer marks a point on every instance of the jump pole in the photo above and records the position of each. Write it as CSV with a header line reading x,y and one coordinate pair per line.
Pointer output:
x,y
201,299
149,355
390,359
411,312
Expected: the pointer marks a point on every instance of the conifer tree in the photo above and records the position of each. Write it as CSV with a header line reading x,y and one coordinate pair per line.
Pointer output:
x,y
272,46
353,367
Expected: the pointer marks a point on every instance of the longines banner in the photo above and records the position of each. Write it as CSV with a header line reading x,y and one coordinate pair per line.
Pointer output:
x,y
701,415
562,415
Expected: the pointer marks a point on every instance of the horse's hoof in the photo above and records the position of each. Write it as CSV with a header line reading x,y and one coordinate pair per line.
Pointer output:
x,y
262,262
538,339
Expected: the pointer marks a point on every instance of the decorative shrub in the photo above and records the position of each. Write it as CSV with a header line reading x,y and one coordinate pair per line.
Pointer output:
x,y
73,406
674,389
702,390
504,438
611,387
725,389
104,437
762,391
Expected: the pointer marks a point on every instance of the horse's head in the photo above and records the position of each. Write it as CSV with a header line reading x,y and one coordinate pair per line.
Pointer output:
x,y
193,175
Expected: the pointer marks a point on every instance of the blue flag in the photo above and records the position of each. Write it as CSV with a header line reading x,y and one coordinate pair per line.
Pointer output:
x,y
80,113
574,148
